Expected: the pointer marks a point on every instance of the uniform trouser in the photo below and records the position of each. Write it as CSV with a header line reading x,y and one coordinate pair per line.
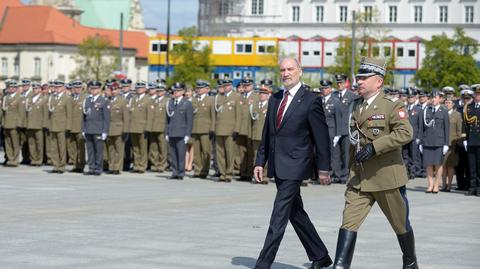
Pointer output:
x,y
474,161
393,203
342,151
335,159
23,140
140,152
202,148
462,170
35,146
288,205
127,160
94,144
59,150
242,154
76,150
250,159
48,147
116,151
177,151
408,154
214,155
255,145
12,145
157,152
225,156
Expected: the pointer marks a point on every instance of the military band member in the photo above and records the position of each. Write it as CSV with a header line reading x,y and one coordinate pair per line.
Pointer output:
x,y
379,128
244,142
178,129
341,142
96,125
333,117
138,127
75,140
11,106
37,115
434,135
203,129
157,153
227,126
60,120
472,141
258,113
451,158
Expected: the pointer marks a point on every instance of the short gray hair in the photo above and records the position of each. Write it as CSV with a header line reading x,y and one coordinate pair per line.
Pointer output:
x,y
297,63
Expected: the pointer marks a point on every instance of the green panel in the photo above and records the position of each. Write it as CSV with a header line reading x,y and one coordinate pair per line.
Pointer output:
x,y
104,13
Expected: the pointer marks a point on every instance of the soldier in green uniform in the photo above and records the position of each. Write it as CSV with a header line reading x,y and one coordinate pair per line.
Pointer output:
x,y
227,126
203,128
138,127
258,112
60,119
11,107
37,114
157,153
379,127
25,93
75,140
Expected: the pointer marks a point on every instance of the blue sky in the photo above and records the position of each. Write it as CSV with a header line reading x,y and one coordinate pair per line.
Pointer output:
x,y
183,14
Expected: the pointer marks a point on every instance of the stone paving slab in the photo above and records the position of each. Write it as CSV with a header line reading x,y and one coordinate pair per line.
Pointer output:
x,y
146,221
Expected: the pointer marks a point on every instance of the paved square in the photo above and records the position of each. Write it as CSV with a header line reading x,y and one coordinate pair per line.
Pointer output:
x,y
147,221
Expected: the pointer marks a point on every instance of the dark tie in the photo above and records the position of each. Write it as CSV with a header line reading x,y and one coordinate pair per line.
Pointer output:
x,y
340,95
433,110
281,109
364,107
176,103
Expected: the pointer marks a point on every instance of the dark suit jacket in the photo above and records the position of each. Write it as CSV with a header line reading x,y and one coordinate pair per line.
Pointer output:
x,y
180,124
97,119
345,102
289,150
437,135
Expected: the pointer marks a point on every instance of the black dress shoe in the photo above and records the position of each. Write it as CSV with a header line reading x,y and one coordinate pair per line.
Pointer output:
x,y
471,192
97,173
88,173
172,177
116,172
323,263
180,178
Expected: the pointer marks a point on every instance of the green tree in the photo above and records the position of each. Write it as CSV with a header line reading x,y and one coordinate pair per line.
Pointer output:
x,y
191,61
96,59
448,62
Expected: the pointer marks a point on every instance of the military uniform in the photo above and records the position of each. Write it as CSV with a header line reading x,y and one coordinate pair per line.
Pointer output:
x,y
11,107
22,127
75,139
379,127
157,153
202,131
462,171
258,112
434,134
37,116
227,126
412,156
125,84
138,125
119,117
472,132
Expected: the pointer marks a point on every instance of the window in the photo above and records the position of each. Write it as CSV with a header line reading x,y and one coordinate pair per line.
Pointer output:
x,y
305,53
328,54
443,14
237,75
16,67
411,53
392,14
368,10
257,7
248,74
37,67
226,7
155,47
399,52
263,49
319,14
417,13
343,13
295,14
5,67
243,48
468,14
316,53
375,51
387,51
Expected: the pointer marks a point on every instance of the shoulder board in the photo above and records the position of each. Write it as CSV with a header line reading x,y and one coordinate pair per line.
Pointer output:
x,y
390,98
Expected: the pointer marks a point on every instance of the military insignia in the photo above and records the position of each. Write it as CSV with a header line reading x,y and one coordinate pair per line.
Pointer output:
x,y
108,107
377,117
374,106
402,114
344,101
203,104
376,131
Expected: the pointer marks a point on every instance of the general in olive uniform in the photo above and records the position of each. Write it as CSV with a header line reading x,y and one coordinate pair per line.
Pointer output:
x,y
75,140
60,120
157,153
96,126
227,126
37,116
203,128
379,128
11,106
139,106
178,129
472,141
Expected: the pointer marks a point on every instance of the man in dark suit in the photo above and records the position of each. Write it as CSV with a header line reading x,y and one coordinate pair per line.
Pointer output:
x,y
96,126
178,129
295,125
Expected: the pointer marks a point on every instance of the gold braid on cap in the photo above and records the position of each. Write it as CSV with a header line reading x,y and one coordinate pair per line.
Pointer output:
x,y
469,120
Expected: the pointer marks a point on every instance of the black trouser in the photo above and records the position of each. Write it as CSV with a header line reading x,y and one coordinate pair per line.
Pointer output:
x,y
341,155
127,159
335,160
474,161
462,170
409,152
288,205
177,151
94,144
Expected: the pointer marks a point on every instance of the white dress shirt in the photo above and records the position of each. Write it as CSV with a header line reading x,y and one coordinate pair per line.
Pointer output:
x,y
291,95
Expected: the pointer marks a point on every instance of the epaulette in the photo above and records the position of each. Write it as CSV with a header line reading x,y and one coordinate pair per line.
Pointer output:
x,y
391,98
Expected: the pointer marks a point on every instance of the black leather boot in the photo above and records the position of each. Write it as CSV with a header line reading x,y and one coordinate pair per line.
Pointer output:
x,y
345,247
407,245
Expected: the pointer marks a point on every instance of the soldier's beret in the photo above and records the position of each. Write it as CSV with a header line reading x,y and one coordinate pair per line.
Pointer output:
x,y
125,82
11,83
68,85
340,78
140,84
152,85
435,93
220,82
448,89
109,82
370,67
267,82
77,83
226,81
26,82
325,83
58,83
246,80
200,83
94,84
178,86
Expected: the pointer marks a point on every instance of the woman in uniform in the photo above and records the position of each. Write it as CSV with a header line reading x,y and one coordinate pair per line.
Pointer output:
x,y
451,158
434,135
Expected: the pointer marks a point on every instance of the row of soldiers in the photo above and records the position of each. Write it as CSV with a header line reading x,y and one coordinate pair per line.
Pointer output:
x,y
51,123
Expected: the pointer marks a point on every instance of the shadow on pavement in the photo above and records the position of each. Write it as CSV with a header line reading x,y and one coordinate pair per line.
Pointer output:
x,y
250,263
